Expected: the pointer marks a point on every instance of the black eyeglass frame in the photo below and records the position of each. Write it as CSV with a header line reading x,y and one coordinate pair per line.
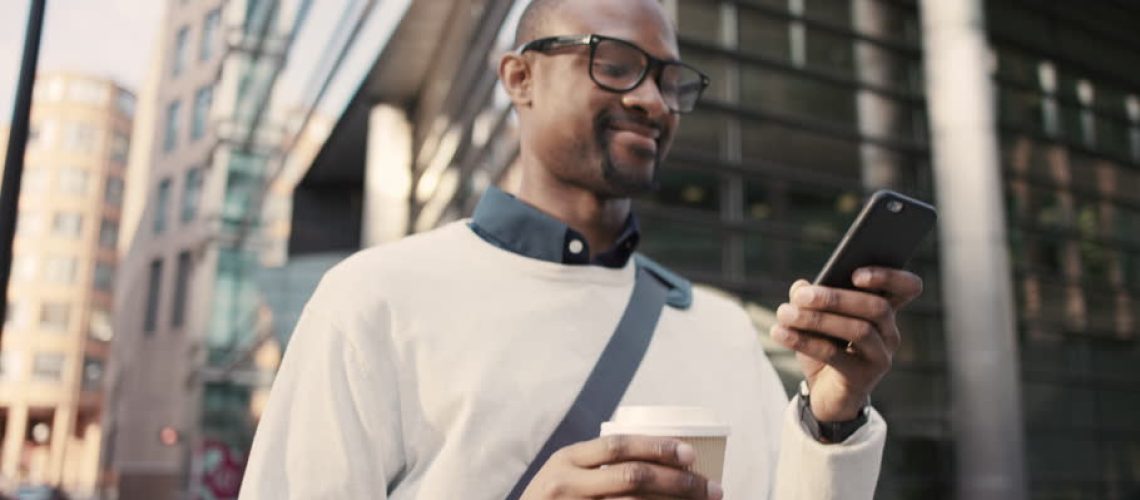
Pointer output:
x,y
653,64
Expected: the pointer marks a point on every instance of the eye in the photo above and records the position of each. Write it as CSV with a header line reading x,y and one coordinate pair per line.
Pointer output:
x,y
613,70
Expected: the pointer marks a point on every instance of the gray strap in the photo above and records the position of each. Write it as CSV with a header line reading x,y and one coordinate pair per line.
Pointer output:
x,y
609,379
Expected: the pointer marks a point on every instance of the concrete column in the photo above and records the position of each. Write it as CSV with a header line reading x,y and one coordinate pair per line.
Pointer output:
x,y
387,176
62,427
14,439
978,307
878,114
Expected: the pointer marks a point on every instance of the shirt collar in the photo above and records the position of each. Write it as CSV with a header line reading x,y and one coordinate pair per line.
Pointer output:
x,y
511,224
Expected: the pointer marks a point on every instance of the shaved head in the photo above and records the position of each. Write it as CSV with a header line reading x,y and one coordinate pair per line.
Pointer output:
x,y
535,19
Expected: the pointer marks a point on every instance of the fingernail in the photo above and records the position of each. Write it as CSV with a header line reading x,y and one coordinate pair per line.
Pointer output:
x,y
685,453
784,336
715,491
862,276
806,295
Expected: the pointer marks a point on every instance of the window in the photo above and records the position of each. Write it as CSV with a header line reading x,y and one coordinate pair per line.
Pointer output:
x,y
25,267
202,100
150,321
34,181
180,41
48,366
92,373
61,270
209,32
87,92
10,366
14,315
126,103
29,223
99,325
192,192
120,147
67,224
104,276
113,191
162,200
55,316
73,181
170,139
80,137
41,135
109,234
181,284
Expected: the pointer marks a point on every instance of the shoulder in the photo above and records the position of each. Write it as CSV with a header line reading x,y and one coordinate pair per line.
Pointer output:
x,y
378,273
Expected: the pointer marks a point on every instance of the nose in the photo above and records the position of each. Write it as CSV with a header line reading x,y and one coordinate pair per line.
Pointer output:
x,y
647,98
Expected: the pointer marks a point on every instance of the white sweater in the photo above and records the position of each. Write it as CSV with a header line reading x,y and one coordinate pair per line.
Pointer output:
x,y
437,366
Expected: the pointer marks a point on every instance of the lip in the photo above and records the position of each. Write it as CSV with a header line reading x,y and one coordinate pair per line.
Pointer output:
x,y
646,131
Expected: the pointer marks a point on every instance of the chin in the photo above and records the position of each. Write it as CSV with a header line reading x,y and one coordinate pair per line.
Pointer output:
x,y
624,181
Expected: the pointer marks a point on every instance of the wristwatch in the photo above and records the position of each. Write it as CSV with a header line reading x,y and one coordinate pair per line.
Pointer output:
x,y
829,432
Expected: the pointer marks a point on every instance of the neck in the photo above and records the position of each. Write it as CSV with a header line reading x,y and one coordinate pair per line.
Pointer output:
x,y
599,219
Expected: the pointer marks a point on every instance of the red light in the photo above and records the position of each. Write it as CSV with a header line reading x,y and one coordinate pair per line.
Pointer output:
x,y
168,436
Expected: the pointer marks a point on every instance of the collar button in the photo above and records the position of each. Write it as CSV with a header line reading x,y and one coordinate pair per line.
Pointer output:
x,y
576,246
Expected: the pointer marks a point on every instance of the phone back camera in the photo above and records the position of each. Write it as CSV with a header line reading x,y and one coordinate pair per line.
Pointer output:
x,y
894,206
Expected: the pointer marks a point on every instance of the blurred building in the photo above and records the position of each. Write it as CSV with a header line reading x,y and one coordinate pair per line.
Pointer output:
x,y
183,370
58,326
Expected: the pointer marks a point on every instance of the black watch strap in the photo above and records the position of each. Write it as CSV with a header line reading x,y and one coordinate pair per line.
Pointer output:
x,y
828,432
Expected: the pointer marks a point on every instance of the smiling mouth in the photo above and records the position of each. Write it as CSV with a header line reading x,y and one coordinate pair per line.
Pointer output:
x,y
646,131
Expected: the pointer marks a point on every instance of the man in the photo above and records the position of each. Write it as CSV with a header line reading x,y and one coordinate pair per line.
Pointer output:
x,y
436,367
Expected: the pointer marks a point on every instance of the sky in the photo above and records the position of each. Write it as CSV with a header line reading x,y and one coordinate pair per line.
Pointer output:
x,y
108,38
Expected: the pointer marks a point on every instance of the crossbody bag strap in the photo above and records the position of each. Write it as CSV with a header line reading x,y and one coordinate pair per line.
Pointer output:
x,y
610,377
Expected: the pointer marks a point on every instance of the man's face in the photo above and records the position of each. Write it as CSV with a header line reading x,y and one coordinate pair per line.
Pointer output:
x,y
609,143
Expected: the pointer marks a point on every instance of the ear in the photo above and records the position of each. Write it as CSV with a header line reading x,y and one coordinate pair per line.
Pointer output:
x,y
515,73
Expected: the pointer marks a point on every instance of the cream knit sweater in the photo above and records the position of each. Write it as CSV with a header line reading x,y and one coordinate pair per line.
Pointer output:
x,y
437,366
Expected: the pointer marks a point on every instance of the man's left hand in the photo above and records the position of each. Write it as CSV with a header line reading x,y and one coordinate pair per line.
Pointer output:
x,y
845,339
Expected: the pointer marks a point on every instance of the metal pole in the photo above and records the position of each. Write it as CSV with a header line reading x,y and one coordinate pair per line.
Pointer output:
x,y
17,143
985,382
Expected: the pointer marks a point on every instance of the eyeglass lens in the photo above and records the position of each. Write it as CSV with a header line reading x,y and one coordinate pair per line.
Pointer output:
x,y
621,67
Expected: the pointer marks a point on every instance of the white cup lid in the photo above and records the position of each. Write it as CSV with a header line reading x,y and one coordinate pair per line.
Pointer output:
x,y
665,421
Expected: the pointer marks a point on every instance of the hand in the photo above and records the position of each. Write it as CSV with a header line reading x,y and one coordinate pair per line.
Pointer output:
x,y
621,466
845,339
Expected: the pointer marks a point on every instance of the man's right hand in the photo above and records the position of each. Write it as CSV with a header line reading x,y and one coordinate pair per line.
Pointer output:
x,y
622,467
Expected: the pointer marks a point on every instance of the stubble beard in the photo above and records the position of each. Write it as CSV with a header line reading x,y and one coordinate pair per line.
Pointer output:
x,y
621,183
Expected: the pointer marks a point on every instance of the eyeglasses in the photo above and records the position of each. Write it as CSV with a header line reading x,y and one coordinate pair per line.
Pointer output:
x,y
620,66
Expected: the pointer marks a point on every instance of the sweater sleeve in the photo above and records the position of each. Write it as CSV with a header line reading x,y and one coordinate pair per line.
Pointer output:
x,y
810,470
331,428
805,468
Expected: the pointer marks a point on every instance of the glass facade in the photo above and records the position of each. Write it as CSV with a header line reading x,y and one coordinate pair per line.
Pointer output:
x,y
1073,199
814,104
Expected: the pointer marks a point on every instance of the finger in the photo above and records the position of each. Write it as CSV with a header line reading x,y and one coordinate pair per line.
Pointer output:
x,y
640,479
853,303
861,334
796,286
900,286
824,350
621,448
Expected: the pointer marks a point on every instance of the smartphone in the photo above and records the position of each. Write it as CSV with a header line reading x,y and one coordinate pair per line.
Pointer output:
x,y
886,233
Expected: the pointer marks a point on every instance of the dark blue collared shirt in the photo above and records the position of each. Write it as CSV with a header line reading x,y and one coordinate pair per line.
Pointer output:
x,y
511,224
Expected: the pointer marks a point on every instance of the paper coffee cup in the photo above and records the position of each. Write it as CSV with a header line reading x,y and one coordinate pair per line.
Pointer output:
x,y
694,425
